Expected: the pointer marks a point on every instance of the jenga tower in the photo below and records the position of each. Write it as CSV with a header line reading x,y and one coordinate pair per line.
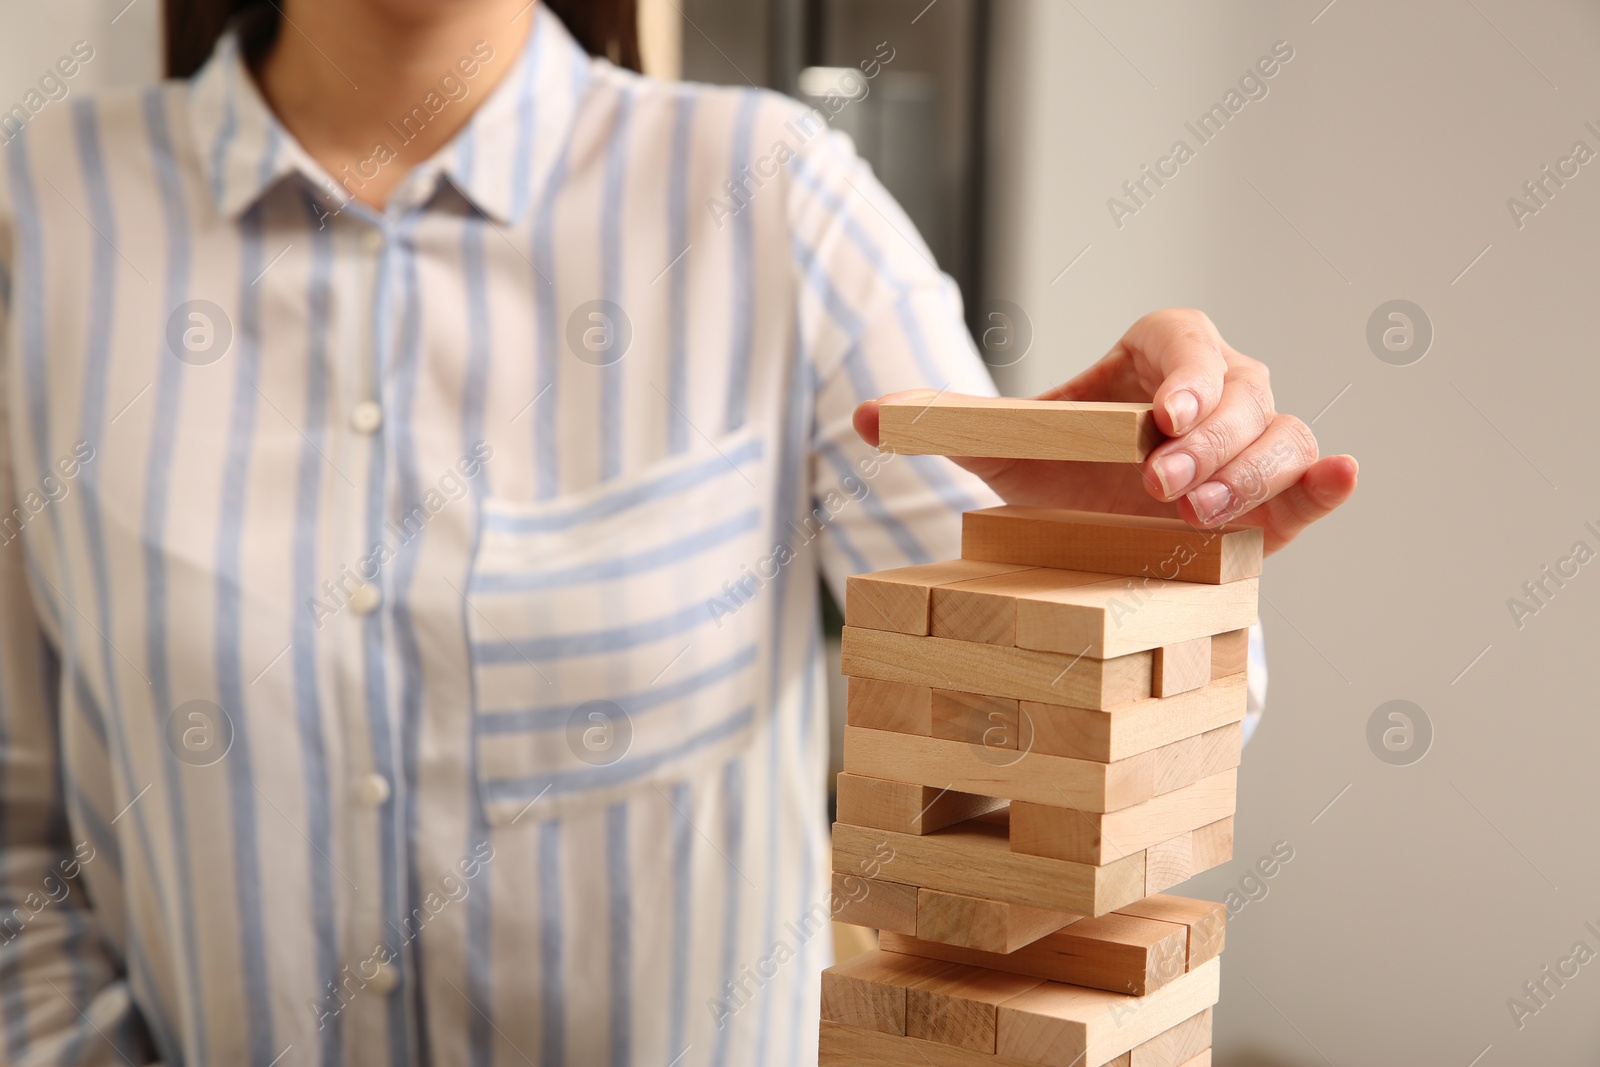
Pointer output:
x,y
1042,737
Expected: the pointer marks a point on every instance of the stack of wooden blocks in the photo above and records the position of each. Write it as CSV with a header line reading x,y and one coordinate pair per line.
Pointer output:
x,y
1042,738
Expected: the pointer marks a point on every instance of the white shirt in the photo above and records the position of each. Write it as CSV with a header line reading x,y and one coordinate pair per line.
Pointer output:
x,y
416,660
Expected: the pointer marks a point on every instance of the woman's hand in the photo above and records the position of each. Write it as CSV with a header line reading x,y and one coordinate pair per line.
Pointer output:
x,y
1231,458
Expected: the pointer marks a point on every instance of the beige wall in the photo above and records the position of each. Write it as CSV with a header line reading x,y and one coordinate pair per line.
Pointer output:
x,y
1428,894
34,35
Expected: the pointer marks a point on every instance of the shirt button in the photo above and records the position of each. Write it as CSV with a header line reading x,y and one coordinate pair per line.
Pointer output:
x,y
373,790
366,417
365,598
385,979
372,240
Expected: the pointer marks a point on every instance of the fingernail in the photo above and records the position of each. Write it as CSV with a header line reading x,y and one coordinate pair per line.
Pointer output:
x,y
1211,501
1182,407
1174,471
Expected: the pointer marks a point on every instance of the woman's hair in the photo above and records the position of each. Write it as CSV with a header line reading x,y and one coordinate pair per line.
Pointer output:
x,y
190,28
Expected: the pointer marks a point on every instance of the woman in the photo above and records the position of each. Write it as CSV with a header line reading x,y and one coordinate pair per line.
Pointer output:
x,y
421,440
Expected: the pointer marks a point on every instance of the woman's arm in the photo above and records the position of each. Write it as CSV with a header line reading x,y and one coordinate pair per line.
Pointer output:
x,y
62,998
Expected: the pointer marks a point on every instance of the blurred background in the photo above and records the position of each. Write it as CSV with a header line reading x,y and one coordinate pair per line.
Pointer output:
x,y
1358,219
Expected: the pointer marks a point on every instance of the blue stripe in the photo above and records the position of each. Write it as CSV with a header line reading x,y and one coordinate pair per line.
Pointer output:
x,y
552,950
619,882
811,710
308,707
630,769
677,481
678,276
742,282
158,470
612,382
527,110
547,389
733,849
555,717
874,506
230,123
682,918
689,617
816,275
673,552
232,503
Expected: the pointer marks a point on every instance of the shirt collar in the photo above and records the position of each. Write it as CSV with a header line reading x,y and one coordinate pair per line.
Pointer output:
x,y
498,161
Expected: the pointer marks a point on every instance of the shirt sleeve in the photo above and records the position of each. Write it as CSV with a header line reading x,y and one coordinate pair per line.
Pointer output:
x,y
62,998
875,315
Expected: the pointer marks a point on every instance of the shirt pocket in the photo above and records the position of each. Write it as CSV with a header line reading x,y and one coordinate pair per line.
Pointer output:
x,y
616,634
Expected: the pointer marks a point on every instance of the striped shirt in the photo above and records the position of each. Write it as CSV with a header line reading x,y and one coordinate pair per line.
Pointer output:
x,y
409,633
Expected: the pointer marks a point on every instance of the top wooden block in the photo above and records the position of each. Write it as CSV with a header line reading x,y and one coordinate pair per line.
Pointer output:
x,y
1137,546
1003,428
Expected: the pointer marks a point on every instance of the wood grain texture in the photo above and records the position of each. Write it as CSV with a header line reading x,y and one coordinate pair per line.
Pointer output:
x,y
985,609
895,706
1181,667
903,807
1108,619
1007,428
1135,546
1177,1046
1198,757
1213,844
853,1046
981,923
958,1006
1021,774
899,599
1206,922
869,991
1202,1060
874,903
1120,953
1066,1026
972,667
1098,837
976,719
1169,863
973,859
1128,729
1230,653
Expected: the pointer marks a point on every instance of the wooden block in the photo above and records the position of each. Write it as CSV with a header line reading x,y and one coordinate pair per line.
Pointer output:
x,y
996,772
1128,729
1181,667
1121,953
1230,653
898,599
1198,757
985,609
1177,1046
976,719
958,1005
1084,836
1007,428
851,1046
973,859
1131,545
879,705
1213,844
1169,863
903,807
1116,618
979,923
1206,921
1202,1060
1067,1026
870,990
971,667
875,903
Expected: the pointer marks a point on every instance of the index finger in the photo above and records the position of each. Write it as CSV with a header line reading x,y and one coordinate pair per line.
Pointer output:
x,y
1180,356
